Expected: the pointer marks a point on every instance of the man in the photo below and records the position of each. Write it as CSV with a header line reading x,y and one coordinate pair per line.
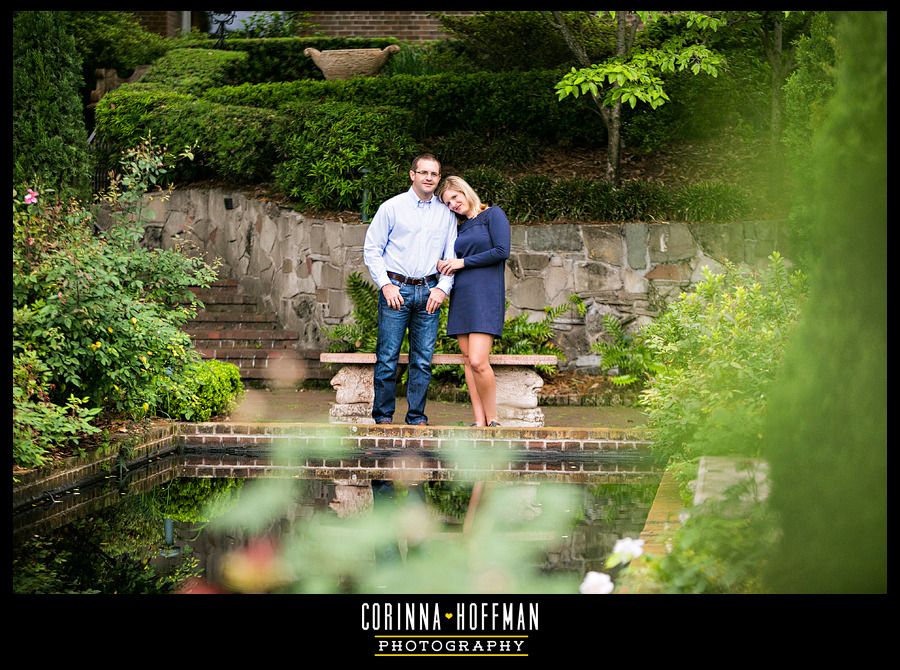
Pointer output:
x,y
408,235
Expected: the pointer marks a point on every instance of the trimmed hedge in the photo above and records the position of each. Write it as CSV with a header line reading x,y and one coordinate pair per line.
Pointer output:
x,y
492,104
540,198
337,150
194,70
233,142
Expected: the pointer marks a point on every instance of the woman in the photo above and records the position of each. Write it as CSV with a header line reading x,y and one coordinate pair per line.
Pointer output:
x,y
478,302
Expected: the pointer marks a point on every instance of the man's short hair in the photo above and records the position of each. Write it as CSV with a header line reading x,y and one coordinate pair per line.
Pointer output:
x,y
424,157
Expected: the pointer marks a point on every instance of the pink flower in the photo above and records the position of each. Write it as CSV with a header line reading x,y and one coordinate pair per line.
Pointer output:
x,y
31,197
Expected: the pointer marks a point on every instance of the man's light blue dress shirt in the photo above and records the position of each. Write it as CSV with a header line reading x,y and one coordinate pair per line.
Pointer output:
x,y
409,237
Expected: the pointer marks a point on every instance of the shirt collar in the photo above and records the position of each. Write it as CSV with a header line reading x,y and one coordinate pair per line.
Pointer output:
x,y
421,203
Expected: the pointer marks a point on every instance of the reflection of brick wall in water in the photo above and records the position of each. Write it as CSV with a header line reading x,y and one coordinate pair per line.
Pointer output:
x,y
411,26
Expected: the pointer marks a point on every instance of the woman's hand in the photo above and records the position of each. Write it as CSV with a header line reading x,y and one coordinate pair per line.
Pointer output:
x,y
449,266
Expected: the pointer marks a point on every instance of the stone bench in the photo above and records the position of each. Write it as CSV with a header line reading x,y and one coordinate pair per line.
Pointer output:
x,y
517,385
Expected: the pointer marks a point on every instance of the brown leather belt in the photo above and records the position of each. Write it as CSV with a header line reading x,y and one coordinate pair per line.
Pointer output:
x,y
413,281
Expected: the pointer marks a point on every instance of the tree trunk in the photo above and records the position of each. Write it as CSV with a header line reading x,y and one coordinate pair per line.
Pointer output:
x,y
614,127
612,116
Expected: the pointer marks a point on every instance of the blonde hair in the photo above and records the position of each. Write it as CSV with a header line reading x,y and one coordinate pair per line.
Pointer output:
x,y
459,184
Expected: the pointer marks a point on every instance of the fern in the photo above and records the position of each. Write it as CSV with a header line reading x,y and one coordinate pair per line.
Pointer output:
x,y
362,333
629,355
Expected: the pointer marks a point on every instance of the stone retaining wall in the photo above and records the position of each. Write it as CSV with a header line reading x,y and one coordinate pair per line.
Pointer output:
x,y
298,265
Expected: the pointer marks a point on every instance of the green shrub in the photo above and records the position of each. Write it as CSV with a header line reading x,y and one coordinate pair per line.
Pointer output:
x,y
638,200
195,500
113,40
723,547
524,40
195,70
462,149
234,142
491,184
427,58
335,151
202,390
627,353
102,313
807,93
719,347
711,201
49,135
40,426
528,198
486,103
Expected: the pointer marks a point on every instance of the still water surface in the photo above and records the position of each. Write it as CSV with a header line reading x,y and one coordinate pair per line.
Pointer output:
x,y
322,536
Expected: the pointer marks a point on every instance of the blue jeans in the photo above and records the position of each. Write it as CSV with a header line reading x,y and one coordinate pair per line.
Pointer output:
x,y
392,326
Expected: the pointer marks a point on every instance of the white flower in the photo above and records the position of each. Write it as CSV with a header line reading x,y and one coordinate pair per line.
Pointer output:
x,y
624,551
596,582
628,548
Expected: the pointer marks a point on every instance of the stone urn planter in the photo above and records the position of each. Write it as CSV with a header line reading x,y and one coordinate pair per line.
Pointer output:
x,y
346,63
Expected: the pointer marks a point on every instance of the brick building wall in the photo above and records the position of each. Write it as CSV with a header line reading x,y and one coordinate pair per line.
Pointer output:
x,y
168,24
406,26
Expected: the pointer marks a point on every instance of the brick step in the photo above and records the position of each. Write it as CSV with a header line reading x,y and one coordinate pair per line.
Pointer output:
x,y
230,308
628,441
223,320
513,446
229,297
246,334
246,338
249,354
562,438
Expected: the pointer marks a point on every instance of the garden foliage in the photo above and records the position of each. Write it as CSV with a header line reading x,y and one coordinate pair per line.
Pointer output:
x,y
115,40
270,132
503,41
828,421
200,391
96,316
332,152
719,347
49,135
625,353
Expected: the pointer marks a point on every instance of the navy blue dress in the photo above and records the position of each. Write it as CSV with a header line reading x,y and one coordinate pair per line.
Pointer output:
x,y
478,299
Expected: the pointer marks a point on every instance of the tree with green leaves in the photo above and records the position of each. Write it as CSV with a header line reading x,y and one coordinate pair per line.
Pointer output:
x,y
635,74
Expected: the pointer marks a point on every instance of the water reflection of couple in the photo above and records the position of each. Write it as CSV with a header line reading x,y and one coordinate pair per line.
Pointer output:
x,y
421,244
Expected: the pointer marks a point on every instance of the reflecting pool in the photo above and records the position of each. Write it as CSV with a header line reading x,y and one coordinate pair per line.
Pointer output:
x,y
155,531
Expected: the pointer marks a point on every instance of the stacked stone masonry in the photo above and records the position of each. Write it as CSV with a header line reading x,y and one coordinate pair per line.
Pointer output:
x,y
297,266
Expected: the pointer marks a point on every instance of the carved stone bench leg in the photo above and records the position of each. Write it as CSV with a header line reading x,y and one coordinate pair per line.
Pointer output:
x,y
354,387
517,396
